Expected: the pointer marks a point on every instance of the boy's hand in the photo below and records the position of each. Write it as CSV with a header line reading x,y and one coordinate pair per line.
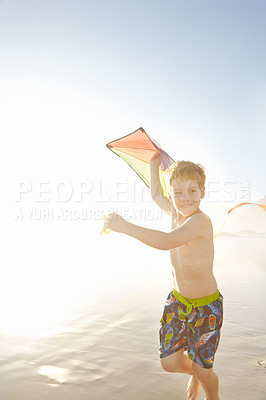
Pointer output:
x,y
156,159
115,222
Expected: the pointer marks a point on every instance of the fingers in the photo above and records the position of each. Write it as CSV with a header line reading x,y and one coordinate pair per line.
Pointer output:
x,y
156,156
109,218
112,222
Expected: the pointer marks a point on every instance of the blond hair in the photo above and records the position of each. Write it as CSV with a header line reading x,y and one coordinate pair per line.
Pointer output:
x,y
186,170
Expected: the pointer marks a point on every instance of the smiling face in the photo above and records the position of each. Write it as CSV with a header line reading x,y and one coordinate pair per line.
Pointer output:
x,y
185,196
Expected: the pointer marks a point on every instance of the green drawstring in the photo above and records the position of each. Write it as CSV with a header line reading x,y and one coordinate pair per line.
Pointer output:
x,y
183,314
189,309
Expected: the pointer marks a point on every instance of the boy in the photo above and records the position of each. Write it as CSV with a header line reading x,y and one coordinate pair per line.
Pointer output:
x,y
192,316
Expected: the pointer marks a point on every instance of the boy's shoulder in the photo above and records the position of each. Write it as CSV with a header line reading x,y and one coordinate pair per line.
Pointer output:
x,y
201,215
202,222
197,226
204,216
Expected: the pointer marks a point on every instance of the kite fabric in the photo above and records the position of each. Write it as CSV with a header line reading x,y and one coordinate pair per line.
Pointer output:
x,y
137,149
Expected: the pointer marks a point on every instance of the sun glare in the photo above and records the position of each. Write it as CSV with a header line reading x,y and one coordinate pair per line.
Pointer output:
x,y
36,319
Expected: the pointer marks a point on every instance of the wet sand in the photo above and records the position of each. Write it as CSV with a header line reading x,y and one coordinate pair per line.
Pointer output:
x,y
104,354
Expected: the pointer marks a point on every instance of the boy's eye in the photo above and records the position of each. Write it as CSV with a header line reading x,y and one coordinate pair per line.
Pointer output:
x,y
179,193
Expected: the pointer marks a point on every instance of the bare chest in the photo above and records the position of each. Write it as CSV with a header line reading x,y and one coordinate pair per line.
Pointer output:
x,y
189,253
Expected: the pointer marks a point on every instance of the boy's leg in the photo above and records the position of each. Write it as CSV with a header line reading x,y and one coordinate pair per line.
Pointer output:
x,y
172,334
179,362
208,380
203,341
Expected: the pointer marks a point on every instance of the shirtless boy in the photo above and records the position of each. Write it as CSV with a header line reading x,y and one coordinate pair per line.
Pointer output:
x,y
193,313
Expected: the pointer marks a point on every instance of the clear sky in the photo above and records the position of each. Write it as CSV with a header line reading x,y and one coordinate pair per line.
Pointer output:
x,y
75,75
192,73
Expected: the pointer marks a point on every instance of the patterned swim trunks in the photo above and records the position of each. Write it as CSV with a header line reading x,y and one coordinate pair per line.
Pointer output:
x,y
192,324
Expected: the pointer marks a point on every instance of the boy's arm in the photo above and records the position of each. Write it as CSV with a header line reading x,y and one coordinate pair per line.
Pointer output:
x,y
156,188
194,227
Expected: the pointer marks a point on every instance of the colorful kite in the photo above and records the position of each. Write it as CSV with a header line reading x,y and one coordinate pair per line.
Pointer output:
x,y
137,149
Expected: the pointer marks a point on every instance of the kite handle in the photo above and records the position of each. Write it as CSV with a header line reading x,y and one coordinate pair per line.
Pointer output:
x,y
105,230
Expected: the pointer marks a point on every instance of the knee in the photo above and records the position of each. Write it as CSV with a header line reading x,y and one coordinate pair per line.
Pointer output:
x,y
170,365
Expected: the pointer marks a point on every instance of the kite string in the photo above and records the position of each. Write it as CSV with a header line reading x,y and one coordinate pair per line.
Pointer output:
x,y
217,233
107,231
233,208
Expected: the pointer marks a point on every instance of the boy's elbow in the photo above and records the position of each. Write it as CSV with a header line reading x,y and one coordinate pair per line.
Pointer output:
x,y
167,247
153,196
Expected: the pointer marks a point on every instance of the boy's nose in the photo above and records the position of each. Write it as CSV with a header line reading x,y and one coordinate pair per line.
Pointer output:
x,y
185,196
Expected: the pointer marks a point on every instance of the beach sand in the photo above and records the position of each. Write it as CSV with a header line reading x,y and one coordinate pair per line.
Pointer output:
x,y
111,352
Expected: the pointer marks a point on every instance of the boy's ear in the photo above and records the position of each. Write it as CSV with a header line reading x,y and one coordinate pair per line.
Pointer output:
x,y
202,193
